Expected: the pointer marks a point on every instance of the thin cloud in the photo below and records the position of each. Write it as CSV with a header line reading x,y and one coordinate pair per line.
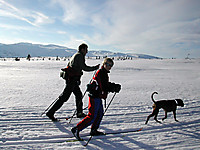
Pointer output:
x,y
74,12
153,27
36,18
146,26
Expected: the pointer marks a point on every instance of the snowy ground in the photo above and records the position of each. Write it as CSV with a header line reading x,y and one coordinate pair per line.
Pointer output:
x,y
29,87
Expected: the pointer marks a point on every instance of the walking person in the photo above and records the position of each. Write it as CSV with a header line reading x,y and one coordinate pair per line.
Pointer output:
x,y
74,71
98,90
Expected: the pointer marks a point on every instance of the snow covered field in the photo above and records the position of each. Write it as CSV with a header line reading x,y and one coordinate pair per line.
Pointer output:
x,y
27,88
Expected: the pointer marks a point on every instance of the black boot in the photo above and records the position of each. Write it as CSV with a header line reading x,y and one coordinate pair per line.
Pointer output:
x,y
54,108
81,115
51,116
75,132
94,132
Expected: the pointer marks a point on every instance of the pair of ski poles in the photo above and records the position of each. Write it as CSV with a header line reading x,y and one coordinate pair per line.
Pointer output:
x,y
78,104
83,109
102,117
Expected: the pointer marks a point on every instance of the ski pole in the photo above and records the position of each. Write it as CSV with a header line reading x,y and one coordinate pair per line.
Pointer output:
x,y
102,117
82,98
109,103
76,109
49,106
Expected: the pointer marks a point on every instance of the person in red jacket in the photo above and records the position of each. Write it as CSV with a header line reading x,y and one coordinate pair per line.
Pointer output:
x,y
98,90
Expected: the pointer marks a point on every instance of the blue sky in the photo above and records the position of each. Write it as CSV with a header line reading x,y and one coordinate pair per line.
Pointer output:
x,y
165,28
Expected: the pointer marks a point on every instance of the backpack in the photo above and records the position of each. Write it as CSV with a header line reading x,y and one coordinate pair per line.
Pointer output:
x,y
69,73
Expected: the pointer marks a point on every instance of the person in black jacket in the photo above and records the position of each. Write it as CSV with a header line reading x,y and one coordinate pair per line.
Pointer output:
x,y
74,71
98,90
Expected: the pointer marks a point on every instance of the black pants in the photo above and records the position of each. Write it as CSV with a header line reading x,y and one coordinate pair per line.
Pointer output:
x,y
71,86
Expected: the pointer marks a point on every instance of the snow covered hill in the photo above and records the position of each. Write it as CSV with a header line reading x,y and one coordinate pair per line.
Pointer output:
x,y
35,50
23,49
29,87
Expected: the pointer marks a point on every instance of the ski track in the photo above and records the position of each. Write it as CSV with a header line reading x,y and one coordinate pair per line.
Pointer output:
x,y
22,127
47,132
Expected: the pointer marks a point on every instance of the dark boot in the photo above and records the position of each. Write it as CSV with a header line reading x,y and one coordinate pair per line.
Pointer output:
x,y
54,108
51,116
75,132
94,132
81,115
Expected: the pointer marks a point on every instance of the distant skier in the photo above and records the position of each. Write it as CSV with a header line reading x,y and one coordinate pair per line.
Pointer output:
x,y
98,90
74,71
28,57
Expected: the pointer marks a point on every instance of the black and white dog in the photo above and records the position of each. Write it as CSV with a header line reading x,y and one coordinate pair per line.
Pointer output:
x,y
167,105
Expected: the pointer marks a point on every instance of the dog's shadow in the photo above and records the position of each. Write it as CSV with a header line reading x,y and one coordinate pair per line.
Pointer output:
x,y
186,127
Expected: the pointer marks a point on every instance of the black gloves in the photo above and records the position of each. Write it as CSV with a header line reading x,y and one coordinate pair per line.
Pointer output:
x,y
117,88
114,87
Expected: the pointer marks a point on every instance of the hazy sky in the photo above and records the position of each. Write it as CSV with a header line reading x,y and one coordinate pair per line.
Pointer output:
x,y
165,28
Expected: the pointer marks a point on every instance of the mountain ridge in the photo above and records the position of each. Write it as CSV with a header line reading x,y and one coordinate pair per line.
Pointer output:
x,y
52,50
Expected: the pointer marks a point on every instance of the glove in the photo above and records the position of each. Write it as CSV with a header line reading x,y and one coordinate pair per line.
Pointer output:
x,y
114,87
117,88
111,87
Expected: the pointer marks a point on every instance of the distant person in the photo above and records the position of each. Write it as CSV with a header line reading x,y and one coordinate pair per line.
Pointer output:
x,y
74,71
17,59
99,89
28,57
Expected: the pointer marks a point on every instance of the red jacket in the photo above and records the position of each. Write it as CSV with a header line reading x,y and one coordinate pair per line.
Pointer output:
x,y
102,84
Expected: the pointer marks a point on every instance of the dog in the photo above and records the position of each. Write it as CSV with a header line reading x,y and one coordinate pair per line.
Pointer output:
x,y
167,105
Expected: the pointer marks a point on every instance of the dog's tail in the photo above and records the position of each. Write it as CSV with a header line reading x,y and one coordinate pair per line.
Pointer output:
x,y
152,96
